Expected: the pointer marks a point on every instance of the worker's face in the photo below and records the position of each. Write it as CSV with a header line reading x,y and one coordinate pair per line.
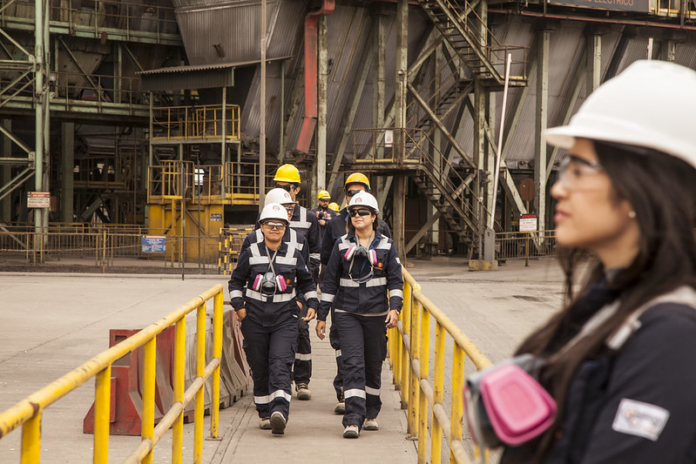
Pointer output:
x,y
324,203
352,190
362,218
290,208
273,230
589,214
292,189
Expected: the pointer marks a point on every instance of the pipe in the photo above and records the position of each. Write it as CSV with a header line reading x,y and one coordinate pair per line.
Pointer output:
x,y
309,121
593,20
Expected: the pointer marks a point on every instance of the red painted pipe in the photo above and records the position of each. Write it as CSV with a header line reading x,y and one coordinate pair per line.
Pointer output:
x,y
309,122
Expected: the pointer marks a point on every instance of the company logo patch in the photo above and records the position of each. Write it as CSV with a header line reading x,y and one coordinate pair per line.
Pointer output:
x,y
276,208
358,200
640,419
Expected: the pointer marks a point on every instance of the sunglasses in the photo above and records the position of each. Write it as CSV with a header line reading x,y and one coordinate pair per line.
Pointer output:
x,y
352,193
287,187
274,225
359,212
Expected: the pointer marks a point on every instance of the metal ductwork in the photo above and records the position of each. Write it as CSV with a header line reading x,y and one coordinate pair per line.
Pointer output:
x,y
309,121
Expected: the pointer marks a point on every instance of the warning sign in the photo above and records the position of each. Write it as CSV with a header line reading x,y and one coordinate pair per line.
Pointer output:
x,y
528,223
154,244
39,199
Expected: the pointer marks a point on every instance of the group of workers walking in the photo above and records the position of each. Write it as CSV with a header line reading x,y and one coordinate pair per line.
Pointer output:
x,y
273,290
617,361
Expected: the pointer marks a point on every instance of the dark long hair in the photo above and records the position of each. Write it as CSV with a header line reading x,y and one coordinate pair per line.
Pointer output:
x,y
662,191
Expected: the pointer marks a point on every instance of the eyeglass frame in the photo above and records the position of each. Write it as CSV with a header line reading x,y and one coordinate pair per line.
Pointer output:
x,y
562,175
287,187
274,225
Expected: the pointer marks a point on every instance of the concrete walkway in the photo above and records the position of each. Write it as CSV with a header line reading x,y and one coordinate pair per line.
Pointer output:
x,y
51,323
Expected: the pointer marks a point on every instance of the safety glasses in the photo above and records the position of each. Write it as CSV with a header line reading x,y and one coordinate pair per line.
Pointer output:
x,y
574,169
287,187
274,225
289,208
352,192
359,212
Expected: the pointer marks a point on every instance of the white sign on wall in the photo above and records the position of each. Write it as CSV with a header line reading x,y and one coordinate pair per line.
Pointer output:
x,y
528,223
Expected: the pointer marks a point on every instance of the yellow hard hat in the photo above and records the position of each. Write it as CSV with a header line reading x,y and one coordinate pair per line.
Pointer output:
x,y
287,173
358,178
324,195
333,206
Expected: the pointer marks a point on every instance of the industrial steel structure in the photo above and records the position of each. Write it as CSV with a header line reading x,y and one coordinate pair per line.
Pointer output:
x,y
148,112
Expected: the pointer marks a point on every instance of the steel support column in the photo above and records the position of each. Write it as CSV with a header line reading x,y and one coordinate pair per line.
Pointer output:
x,y
322,104
41,37
379,43
542,107
67,145
594,62
399,183
435,151
669,50
479,153
6,173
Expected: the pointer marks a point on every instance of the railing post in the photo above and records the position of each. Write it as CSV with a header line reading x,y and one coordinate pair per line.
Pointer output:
x,y
148,419
102,406
200,394
438,390
179,376
406,329
424,342
414,389
31,440
456,413
217,353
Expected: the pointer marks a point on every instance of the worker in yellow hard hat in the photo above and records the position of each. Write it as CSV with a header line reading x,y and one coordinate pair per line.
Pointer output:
x,y
337,228
333,206
322,212
287,177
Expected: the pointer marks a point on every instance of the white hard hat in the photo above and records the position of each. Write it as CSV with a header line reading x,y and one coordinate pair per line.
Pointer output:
x,y
363,198
278,195
274,211
651,104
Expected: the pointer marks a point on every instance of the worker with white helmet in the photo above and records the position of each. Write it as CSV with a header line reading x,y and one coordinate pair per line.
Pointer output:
x,y
354,184
263,290
619,358
363,286
287,178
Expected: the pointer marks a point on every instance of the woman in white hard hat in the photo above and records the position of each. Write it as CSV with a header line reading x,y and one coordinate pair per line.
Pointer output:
x,y
363,267
619,358
264,290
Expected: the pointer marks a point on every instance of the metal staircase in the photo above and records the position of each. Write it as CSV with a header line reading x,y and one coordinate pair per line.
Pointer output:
x,y
466,32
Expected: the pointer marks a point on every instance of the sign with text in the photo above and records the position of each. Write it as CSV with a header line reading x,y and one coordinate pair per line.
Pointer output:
x,y
216,217
528,223
38,199
154,244
642,6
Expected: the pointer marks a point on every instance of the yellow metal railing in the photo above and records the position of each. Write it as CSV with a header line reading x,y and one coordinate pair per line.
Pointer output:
x,y
409,356
27,413
196,122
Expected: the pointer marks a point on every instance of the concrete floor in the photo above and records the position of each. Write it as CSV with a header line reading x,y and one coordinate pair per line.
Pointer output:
x,y
50,323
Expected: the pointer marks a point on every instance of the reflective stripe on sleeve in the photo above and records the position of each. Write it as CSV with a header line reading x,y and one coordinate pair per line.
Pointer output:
x,y
309,295
236,294
303,356
399,293
338,353
314,255
327,297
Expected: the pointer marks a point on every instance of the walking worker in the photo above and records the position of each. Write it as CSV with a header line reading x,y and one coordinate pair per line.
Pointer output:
x,y
322,212
288,178
337,228
364,266
263,289
619,358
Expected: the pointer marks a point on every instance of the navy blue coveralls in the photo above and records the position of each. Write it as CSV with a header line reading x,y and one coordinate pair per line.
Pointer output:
x,y
360,305
328,215
305,225
334,231
270,327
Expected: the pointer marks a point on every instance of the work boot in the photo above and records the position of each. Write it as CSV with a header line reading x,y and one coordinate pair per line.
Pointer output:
x,y
265,423
351,431
303,392
370,424
341,405
278,422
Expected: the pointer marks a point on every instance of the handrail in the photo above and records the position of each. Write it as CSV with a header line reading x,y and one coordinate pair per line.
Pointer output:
x,y
409,355
27,413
